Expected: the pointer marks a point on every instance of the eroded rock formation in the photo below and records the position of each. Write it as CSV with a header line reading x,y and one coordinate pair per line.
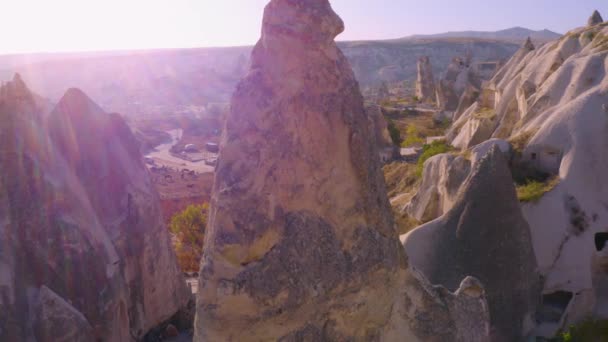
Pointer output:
x,y
425,81
300,243
442,177
595,19
551,101
484,235
81,237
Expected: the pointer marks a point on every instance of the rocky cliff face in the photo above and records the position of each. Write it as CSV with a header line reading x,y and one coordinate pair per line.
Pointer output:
x,y
553,101
301,244
484,235
83,243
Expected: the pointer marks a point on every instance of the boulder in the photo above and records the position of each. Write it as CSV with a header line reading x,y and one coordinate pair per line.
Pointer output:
x,y
442,177
486,236
58,321
301,243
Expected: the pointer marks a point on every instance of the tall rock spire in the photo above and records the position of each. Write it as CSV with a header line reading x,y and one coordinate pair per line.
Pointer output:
x,y
425,82
528,45
301,243
595,19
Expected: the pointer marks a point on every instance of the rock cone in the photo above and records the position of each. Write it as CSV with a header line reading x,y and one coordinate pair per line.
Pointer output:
x,y
484,235
595,19
300,243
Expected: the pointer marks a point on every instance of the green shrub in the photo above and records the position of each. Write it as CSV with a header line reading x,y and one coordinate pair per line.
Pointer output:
x,y
533,190
587,331
394,133
430,150
412,137
188,227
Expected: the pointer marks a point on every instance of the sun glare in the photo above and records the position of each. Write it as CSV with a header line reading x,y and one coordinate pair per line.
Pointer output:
x,y
71,25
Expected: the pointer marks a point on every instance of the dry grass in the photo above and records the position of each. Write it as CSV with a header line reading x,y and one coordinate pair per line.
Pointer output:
x,y
404,222
400,178
520,141
600,41
485,113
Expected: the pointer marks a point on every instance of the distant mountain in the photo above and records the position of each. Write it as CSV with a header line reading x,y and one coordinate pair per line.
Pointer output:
x,y
514,34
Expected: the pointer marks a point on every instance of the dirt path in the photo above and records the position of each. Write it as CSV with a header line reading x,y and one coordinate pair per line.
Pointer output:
x,y
162,156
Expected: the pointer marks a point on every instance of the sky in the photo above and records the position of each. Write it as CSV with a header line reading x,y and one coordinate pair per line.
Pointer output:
x,y
95,25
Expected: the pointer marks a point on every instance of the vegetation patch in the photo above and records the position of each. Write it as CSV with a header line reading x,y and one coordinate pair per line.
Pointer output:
x,y
400,178
430,150
188,229
587,331
533,190
412,137
601,41
394,133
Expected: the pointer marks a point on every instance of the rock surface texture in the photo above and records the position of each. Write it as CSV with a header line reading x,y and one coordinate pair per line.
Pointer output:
x,y
484,235
84,254
552,99
425,82
301,244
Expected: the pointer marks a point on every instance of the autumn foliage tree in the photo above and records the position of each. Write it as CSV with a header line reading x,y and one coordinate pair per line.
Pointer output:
x,y
188,228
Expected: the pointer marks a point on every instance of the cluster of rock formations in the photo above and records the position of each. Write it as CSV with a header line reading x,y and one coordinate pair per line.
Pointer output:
x,y
484,235
301,244
546,108
84,253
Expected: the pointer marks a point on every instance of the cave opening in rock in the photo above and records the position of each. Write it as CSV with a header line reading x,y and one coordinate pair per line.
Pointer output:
x,y
600,241
554,305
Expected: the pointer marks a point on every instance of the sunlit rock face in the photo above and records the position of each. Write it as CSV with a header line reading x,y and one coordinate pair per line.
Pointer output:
x,y
300,243
81,237
553,99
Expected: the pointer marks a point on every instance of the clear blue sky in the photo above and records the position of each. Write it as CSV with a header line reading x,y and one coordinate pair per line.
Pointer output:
x,y
81,25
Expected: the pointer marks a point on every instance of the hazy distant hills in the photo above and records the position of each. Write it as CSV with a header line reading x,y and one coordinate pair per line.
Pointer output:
x,y
395,60
136,82
156,82
514,34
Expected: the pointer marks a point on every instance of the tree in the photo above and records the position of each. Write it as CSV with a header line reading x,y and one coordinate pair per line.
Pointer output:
x,y
412,137
394,132
188,227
